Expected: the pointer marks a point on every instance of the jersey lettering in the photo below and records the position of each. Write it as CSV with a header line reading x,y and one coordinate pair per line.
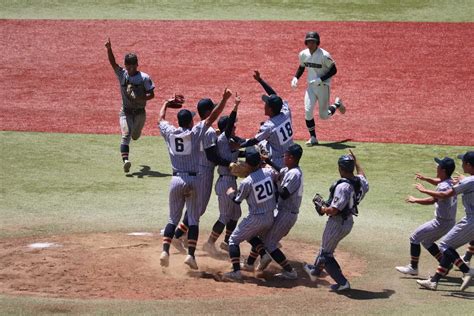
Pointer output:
x,y
263,190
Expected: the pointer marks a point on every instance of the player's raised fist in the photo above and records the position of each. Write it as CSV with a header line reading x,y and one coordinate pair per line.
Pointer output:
x,y
227,94
237,99
256,75
108,44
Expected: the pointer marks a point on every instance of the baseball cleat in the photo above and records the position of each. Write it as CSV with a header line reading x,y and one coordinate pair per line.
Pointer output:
x,y
191,262
247,267
466,279
339,288
264,262
428,284
164,259
178,244
232,276
309,270
209,248
407,270
288,275
224,246
313,141
340,106
126,166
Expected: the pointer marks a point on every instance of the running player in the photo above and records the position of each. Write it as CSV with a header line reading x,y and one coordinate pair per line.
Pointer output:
x,y
462,232
321,68
184,146
136,88
278,129
445,212
345,195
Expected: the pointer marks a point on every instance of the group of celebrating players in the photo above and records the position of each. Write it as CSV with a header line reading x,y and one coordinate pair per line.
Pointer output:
x,y
273,186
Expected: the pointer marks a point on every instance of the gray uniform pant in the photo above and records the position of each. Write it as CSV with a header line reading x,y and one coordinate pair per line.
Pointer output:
x,y
206,176
431,231
183,191
228,209
251,226
282,225
459,235
336,229
131,125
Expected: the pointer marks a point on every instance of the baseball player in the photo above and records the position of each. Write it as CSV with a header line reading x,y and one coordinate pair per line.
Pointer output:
x,y
278,129
345,195
321,68
209,157
259,191
184,146
462,233
136,88
229,212
445,216
290,193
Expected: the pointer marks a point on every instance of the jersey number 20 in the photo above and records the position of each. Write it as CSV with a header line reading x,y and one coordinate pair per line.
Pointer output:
x,y
263,191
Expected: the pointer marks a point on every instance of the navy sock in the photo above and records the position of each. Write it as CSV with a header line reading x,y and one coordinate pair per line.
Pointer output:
x,y
415,250
217,230
280,258
167,236
183,227
234,253
124,150
311,127
193,235
435,252
229,229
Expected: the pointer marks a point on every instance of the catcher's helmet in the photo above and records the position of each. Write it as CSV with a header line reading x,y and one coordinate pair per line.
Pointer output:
x,y
346,163
311,36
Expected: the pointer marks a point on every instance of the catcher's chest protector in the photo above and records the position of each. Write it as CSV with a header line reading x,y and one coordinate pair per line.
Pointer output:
x,y
356,185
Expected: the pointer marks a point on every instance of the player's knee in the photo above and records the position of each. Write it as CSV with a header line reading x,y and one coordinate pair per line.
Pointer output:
x,y
125,140
324,115
443,247
414,240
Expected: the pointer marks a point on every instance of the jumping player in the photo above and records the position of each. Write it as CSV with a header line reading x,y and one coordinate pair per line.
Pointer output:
x,y
462,233
184,146
321,68
136,88
259,191
278,129
445,212
345,195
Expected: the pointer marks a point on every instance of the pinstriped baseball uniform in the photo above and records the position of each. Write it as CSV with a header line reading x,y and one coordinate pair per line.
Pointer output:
x,y
445,212
288,209
336,227
206,169
132,114
228,210
259,191
278,131
183,147
463,231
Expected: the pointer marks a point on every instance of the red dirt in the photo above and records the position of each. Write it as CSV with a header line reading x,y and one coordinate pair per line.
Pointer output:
x,y
119,266
401,82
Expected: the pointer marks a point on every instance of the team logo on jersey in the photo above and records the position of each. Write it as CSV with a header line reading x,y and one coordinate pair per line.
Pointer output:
x,y
313,65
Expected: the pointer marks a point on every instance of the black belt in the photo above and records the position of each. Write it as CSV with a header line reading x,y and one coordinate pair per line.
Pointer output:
x,y
180,173
227,175
133,111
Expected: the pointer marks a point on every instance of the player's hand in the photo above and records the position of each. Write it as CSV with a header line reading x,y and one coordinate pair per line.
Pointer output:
x,y
458,178
227,94
237,101
108,45
419,176
256,75
410,199
294,82
230,191
316,81
420,187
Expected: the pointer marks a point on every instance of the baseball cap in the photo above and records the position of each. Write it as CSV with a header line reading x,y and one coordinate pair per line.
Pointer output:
x,y
185,117
346,162
204,105
295,150
311,36
222,123
131,59
447,164
252,156
468,157
274,102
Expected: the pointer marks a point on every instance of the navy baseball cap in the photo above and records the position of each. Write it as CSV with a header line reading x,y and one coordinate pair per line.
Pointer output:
x,y
312,36
447,164
468,157
274,102
205,105
252,156
295,150
222,123
346,162
185,117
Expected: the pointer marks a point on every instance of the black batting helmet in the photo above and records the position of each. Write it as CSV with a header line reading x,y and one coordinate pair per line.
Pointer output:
x,y
346,163
311,36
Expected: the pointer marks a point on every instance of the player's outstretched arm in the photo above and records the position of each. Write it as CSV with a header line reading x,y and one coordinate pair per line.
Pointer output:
x,y
163,111
232,117
269,90
358,167
433,181
110,54
426,201
219,108
436,194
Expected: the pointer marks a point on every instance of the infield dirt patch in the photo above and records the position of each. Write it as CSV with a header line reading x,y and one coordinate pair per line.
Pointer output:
x,y
115,265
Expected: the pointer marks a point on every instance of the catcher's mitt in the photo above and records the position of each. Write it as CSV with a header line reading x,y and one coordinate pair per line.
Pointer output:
x,y
176,102
130,93
262,149
319,202
240,169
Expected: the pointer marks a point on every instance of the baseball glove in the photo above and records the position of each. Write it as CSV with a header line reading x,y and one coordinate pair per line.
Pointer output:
x,y
319,202
130,93
264,153
240,169
176,102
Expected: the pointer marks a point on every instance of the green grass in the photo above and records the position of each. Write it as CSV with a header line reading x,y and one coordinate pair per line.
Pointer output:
x,y
66,183
301,10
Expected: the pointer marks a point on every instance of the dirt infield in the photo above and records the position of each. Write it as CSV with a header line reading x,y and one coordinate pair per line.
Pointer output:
x,y
113,265
401,82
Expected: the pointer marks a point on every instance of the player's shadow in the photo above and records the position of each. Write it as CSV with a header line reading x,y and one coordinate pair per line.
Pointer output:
x,y
146,171
338,145
357,294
